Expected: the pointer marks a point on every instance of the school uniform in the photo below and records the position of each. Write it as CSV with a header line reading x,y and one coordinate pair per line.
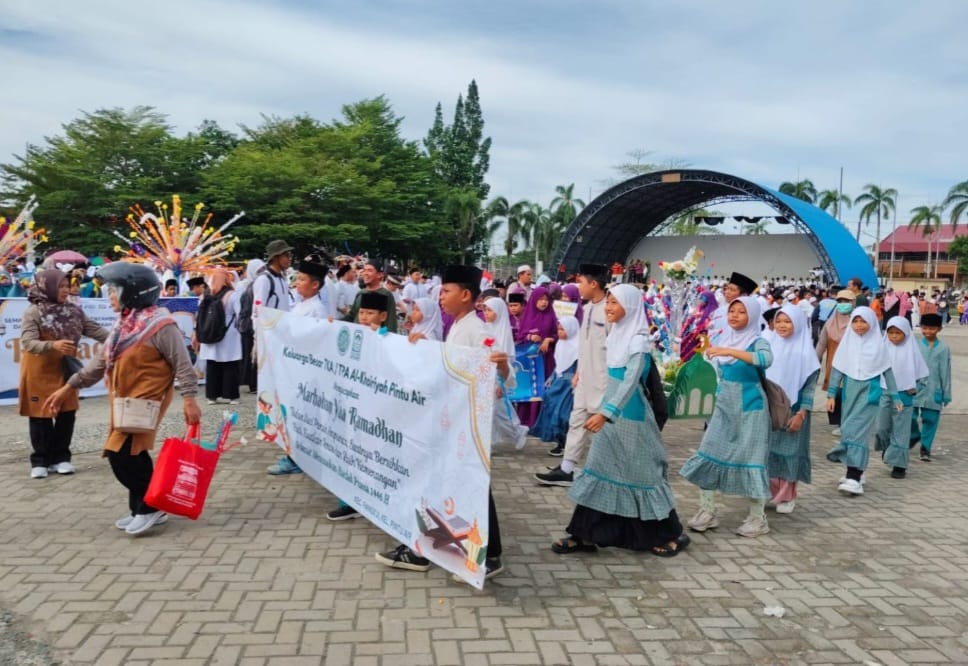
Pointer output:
x,y
933,394
893,426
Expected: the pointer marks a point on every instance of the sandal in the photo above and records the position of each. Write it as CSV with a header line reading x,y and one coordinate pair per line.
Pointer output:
x,y
570,545
681,543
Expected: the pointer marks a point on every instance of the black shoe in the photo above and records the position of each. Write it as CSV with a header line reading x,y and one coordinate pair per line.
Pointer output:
x,y
925,455
898,473
555,477
402,557
558,451
344,512
493,566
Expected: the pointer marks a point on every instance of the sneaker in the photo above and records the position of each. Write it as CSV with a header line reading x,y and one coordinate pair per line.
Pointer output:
x,y
402,557
64,468
492,567
284,465
786,507
925,455
863,479
125,520
851,487
702,521
38,473
754,527
345,512
556,477
233,402
835,432
558,451
898,473
143,522
211,402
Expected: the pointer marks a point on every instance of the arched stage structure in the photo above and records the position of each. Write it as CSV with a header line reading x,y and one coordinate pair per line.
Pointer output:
x,y
616,221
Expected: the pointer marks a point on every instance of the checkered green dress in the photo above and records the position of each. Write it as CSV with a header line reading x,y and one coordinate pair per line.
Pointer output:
x,y
790,451
626,473
861,402
735,448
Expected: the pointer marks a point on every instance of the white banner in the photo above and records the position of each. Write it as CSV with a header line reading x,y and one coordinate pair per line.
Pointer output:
x,y
399,431
182,311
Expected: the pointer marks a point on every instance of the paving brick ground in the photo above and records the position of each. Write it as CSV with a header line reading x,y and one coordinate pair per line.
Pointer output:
x,y
264,578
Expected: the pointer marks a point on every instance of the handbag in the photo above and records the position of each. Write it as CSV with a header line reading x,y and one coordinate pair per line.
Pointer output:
x,y
182,475
781,409
70,365
135,415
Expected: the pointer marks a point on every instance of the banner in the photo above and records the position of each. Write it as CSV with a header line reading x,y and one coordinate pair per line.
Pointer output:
x,y
399,431
529,371
99,309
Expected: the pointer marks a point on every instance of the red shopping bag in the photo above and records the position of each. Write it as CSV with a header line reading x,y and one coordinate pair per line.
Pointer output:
x,y
183,472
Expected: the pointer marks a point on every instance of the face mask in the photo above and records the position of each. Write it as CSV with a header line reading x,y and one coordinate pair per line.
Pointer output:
x,y
844,308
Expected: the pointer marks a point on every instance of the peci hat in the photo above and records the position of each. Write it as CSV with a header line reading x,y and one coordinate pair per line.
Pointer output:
x,y
846,295
373,300
931,319
516,297
460,274
745,284
275,248
313,268
196,281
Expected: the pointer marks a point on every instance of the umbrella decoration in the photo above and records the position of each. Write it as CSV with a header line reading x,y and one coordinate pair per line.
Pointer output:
x,y
66,257
18,237
168,241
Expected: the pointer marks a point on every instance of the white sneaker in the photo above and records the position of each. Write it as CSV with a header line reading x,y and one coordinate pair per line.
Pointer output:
x,y
38,473
64,468
835,432
786,507
145,521
125,520
233,402
754,527
863,480
851,487
702,521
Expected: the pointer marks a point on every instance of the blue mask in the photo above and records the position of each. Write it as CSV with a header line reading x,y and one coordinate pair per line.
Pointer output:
x,y
844,308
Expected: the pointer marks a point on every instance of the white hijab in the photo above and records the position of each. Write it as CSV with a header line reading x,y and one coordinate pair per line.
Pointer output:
x,y
432,324
500,328
744,337
566,351
862,357
906,359
629,335
794,358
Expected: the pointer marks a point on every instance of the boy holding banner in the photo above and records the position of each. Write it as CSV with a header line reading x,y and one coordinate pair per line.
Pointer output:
x,y
460,288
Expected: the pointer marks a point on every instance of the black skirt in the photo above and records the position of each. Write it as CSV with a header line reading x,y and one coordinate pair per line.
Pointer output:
x,y
604,529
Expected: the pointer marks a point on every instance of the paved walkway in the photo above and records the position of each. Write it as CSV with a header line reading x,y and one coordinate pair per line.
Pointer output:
x,y
264,578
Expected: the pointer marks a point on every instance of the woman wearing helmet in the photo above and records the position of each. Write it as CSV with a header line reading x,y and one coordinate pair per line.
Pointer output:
x,y
143,357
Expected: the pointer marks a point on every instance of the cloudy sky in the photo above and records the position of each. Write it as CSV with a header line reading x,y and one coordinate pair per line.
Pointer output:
x,y
763,89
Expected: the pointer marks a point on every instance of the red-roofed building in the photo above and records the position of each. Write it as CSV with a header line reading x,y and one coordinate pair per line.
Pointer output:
x,y
910,249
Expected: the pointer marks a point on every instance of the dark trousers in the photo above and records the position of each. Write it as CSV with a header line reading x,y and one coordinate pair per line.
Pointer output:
x,y
222,380
250,373
134,473
834,417
51,439
494,530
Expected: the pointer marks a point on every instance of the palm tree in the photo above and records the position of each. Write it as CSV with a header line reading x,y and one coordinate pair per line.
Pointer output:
x,y
685,225
565,205
496,216
876,202
930,218
463,206
833,200
803,189
760,228
958,200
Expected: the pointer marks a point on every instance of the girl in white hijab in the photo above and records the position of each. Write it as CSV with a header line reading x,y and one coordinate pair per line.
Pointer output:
x,y
733,455
623,496
428,323
559,397
795,369
861,361
894,427
506,426
497,323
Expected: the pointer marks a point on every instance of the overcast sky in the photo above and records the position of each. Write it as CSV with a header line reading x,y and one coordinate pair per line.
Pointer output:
x,y
763,89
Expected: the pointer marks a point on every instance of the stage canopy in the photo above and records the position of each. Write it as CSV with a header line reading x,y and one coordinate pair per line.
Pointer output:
x,y
611,225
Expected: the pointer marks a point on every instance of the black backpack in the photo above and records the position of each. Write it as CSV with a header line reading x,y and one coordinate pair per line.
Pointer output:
x,y
247,300
210,326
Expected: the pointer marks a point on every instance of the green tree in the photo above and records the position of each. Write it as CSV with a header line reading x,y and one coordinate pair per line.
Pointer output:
x,y
460,154
686,224
959,250
928,219
876,202
833,202
802,189
102,163
957,199
565,205
640,162
761,228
